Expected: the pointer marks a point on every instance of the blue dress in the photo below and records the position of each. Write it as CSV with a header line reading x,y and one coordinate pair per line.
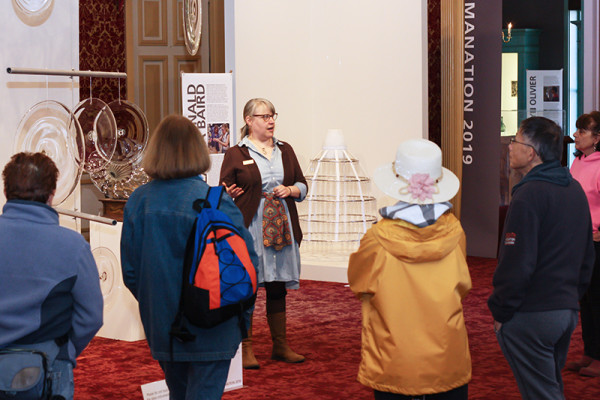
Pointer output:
x,y
274,265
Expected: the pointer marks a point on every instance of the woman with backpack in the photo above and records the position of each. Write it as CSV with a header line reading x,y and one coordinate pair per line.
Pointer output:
x,y
263,176
158,219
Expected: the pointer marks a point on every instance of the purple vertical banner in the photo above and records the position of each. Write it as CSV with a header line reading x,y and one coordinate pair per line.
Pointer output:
x,y
481,127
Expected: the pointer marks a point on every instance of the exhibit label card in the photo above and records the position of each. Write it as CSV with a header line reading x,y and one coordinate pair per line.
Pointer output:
x,y
155,391
207,101
545,94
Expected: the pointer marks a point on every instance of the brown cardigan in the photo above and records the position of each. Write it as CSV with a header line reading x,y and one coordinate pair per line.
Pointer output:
x,y
247,176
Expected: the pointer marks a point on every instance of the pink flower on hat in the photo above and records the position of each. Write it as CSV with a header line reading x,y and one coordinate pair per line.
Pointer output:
x,y
421,187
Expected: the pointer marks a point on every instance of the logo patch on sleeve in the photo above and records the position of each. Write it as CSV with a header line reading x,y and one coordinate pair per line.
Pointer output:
x,y
510,238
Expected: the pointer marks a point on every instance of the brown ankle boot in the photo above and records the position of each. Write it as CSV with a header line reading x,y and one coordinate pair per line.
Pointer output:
x,y
281,350
248,359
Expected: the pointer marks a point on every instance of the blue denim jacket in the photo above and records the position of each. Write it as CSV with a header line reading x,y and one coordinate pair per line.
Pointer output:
x,y
157,221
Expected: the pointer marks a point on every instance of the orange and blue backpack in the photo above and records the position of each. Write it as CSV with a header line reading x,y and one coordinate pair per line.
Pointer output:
x,y
219,279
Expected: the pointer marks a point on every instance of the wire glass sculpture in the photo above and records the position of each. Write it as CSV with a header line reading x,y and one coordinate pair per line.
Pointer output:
x,y
339,207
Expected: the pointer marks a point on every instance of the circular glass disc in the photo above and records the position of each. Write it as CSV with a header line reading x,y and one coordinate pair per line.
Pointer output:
x,y
51,128
99,132
33,7
132,131
192,24
107,265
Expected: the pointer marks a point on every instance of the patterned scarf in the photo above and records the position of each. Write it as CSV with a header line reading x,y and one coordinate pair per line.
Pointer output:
x,y
276,231
421,215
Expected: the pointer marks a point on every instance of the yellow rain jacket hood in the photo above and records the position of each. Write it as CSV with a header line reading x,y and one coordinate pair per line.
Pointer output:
x,y
411,282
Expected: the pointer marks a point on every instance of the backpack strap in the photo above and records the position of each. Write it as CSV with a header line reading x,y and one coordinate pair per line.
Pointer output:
x,y
212,200
214,196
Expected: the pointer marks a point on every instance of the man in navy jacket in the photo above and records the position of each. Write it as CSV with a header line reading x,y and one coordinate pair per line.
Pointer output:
x,y
545,262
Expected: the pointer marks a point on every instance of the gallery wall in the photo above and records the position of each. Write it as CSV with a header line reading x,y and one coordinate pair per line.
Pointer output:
x,y
48,41
330,64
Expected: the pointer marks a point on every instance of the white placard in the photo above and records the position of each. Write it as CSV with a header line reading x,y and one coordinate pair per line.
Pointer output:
x,y
155,391
545,94
208,102
213,174
235,378
158,390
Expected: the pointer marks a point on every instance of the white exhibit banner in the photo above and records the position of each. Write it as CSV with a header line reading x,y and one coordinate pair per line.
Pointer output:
x,y
207,101
545,94
159,391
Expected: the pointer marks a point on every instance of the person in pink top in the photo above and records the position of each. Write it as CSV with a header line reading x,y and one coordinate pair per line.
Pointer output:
x,y
586,170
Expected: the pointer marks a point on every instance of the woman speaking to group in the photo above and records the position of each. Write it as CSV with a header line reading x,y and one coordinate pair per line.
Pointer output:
x,y
263,176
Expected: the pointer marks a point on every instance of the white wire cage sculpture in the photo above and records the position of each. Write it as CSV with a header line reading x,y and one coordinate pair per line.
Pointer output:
x,y
339,207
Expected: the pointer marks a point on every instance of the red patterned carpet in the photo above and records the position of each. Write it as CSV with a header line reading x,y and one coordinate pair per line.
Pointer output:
x,y
324,325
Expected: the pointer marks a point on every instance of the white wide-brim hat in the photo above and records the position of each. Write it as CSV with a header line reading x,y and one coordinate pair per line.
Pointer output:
x,y
417,156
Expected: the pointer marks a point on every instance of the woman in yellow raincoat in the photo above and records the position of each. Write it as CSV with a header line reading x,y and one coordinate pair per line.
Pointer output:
x,y
411,275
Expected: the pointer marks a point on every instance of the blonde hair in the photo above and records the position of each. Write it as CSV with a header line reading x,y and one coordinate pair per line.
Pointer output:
x,y
249,110
176,150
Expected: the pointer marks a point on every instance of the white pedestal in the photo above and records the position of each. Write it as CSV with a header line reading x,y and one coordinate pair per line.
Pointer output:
x,y
121,314
334,269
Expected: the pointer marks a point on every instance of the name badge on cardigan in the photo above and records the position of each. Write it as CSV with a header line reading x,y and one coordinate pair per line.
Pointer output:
x,y
248,162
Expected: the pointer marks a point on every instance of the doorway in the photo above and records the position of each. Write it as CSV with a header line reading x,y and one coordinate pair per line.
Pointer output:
x,y
552,43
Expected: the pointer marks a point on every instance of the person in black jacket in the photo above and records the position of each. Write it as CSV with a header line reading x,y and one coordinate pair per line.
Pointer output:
x,y
545,262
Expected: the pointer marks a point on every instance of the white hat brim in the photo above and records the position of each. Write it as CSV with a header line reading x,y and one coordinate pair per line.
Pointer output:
x,y
385,179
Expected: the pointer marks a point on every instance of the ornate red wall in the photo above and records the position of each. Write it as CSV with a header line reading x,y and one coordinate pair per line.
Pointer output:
x,y
102,46
434,63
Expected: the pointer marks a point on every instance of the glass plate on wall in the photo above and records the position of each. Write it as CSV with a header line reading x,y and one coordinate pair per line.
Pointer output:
x,y
50,127
33,7
132,131
107,265
99,132
192,24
